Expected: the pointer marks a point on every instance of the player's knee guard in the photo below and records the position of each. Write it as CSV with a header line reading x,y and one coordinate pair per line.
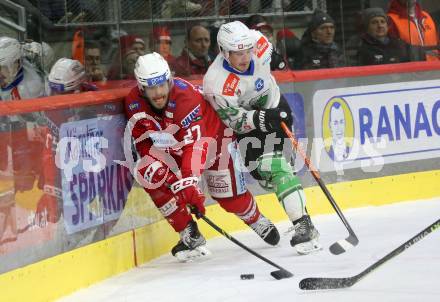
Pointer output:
x,y
274,169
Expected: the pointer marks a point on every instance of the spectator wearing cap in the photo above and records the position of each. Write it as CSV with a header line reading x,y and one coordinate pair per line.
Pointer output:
x,y
415,27
318,48
376,46
194,59
289,46
259,22
131,47
132,42
161,43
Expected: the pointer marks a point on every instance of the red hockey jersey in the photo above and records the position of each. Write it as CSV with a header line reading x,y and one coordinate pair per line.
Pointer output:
x,y
187,128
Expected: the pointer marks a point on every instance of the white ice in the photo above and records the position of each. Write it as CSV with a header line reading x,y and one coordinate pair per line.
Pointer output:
x,y
413,275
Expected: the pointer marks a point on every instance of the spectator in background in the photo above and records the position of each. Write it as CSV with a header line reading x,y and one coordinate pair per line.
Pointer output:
x,y
415,27
160,42
132,42
194,58
128,62
318,48
376,46
289,46
131,47
259,22
92,59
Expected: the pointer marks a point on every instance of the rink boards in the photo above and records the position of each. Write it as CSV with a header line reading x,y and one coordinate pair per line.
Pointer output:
x,y
60,275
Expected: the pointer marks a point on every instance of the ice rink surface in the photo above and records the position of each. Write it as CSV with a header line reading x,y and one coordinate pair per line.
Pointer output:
x,y
413,275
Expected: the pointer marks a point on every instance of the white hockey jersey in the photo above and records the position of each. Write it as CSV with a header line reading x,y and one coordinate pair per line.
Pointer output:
x,y
236,95
28,84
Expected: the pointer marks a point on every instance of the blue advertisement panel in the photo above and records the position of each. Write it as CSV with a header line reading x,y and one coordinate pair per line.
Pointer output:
x,y
371,126
95,187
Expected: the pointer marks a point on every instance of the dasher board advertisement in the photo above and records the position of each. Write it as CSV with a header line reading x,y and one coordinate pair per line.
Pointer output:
x,y
371,126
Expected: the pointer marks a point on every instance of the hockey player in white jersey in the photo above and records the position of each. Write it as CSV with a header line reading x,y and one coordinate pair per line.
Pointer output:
x,y
242,90
18,79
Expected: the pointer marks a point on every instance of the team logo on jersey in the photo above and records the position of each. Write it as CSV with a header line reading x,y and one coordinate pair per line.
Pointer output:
x,y
172,104
230,84
262,46
190,117
134,106
259,84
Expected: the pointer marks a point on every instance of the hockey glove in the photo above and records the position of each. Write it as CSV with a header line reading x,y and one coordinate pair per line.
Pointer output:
x,y
269,120
188,193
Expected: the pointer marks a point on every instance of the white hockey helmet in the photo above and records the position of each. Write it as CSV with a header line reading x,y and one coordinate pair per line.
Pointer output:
x,y
152,70
66,75
234,36
10,59
40,54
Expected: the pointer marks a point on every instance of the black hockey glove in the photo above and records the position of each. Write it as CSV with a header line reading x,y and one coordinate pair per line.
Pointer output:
x,y
269,120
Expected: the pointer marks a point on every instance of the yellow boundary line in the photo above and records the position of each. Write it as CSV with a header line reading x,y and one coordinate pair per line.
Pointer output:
x,y
58,276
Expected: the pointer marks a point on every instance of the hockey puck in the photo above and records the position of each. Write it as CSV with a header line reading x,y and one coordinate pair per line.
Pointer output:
x,y
246,276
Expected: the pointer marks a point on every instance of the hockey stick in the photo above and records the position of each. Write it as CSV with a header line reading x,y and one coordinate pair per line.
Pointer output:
x,y
334,283
281,273
342,245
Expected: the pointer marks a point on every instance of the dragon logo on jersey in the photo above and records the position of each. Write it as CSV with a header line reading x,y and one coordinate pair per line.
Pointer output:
x,y
230,84
262,46
259,84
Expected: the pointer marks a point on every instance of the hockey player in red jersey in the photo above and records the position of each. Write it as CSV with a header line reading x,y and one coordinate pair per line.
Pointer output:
x,y
178,137
66,77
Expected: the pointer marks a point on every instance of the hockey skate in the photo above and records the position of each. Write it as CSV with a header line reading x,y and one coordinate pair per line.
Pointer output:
x,y
305,238
192,244
266,230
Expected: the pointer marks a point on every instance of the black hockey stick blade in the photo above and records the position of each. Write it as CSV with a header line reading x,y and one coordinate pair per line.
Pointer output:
x,y
281,274
334,283
326,283
344,245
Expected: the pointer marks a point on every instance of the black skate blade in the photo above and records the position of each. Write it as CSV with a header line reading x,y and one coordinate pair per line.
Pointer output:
x,y
281,274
